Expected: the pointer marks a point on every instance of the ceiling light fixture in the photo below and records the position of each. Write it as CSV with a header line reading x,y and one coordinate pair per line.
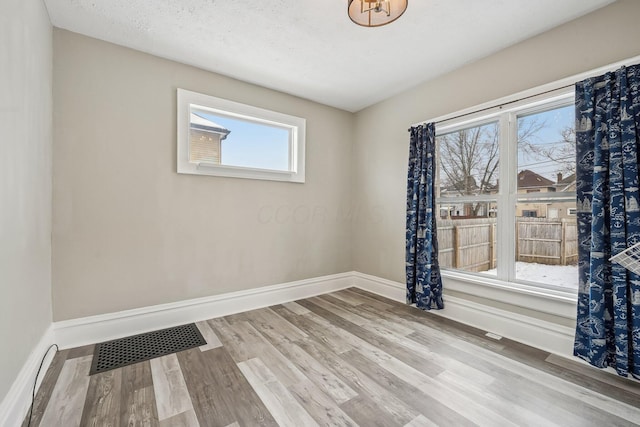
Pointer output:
x,y
375,13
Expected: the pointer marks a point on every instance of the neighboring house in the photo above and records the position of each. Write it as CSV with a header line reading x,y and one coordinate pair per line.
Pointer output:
x,y
205,139
531,182
453,210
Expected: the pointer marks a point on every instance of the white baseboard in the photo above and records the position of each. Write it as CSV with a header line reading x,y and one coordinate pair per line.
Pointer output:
x,y
538,333
535,332
104,327
15,405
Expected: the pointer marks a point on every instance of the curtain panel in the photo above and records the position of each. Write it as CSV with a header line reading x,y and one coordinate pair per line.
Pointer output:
x,y
608,215
424,283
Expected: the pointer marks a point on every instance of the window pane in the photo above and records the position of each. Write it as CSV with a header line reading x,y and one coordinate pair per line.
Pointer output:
x,y
231,141
546,233
468,163
547,243
467,243
547,151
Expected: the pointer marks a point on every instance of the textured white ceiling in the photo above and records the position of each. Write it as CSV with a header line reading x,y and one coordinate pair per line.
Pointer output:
x,y
310,48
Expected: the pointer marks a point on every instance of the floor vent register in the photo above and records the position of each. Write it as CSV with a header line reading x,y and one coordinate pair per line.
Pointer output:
x,y
138,348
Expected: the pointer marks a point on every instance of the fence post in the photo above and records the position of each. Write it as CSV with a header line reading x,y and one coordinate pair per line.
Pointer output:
x,y
563,246
492,247
456,248
517,241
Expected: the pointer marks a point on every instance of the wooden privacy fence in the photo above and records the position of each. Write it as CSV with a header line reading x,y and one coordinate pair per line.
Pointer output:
x,y
467,244
470,244
545,241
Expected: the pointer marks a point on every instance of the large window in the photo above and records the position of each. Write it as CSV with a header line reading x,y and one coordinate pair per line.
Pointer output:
x,y
506,195
225,138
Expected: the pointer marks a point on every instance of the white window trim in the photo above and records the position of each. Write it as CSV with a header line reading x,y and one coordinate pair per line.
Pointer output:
x,y
296,126
504,287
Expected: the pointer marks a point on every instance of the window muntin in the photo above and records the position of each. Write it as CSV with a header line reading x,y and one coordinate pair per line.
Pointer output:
x,y
538,138
225,138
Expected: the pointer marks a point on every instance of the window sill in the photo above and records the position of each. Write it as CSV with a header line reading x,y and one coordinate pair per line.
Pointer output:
x,y
549,301
211,169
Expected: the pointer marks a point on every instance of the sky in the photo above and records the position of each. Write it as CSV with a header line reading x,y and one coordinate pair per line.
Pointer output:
x,y
251,144
554,122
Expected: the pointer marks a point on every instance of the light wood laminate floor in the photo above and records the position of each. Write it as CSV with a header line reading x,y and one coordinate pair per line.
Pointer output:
x,y
345,359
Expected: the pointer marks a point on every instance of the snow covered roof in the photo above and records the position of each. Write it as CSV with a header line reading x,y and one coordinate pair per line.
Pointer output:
x,y
199,121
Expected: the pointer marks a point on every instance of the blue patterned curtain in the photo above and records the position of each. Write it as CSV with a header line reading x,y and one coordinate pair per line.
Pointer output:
x,y
424,284
607,133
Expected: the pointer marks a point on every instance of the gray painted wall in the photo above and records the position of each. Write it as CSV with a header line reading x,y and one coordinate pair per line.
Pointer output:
x,y
128,231
381,145
25,182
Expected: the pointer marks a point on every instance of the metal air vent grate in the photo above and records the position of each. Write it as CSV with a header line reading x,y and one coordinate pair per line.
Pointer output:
x,y
137,348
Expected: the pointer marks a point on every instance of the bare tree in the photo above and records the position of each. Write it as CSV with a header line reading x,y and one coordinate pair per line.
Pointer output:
x,y
469,160
561,153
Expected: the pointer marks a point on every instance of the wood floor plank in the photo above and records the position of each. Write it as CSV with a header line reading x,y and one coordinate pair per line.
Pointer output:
x,y
86,350
481,395
208,398
320,329
595,399
183,419
68,396
272,324
46,388
350,299
138,403
338,311
103,400
245,342
374,343
373,317
567,411
445,394
370,299
393,406
407,393
321,407
316,372
421,421
220,393
617,382
209,335
364,411
295,308
283,406
231,340
170,389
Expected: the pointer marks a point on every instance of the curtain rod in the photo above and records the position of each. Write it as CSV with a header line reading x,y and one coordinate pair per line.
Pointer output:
x,y
505,103
533,92
497,105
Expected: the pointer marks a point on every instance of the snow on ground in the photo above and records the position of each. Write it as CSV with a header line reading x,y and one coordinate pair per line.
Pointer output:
x,y
565,276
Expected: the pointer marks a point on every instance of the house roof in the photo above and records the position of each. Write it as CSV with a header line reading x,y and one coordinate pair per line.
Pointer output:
x,y
530,179
567,184
199,121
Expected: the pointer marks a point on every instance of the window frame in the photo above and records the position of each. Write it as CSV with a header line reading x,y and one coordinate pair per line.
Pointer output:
x,y
507,196
296,127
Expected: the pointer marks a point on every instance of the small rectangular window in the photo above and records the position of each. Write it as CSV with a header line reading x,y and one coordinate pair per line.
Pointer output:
x,y
225,138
